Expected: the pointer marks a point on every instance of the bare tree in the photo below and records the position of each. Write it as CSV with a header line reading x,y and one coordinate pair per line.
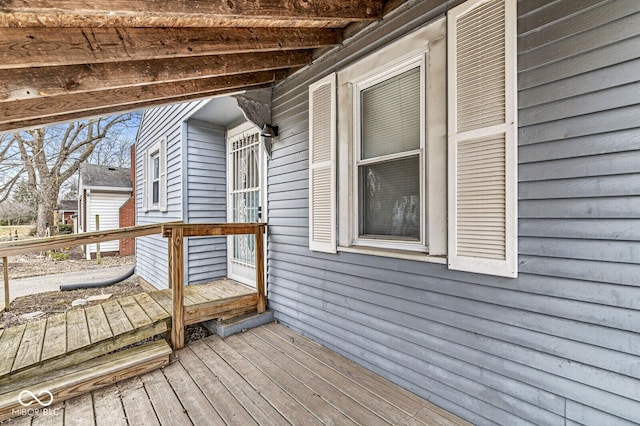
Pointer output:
x,y
49,156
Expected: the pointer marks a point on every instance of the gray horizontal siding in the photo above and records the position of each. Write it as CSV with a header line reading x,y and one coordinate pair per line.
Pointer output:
x,y
559,345
151,252
206,193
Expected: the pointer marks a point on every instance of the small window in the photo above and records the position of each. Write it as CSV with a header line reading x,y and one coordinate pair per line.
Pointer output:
x,y
389,157
155,179
154,185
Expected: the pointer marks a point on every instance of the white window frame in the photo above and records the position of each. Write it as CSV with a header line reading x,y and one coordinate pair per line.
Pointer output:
x,y
387,73
153,156
427,47
157,149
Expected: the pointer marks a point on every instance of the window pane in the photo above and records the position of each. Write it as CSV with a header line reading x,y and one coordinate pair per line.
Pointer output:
x,y
156,193
391,115
391,198
156,167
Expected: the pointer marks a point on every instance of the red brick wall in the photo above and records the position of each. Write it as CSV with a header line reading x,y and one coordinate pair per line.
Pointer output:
x,y
128,211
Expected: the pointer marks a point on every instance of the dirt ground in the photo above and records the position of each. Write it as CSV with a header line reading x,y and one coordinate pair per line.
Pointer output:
x,y
32,265
55,302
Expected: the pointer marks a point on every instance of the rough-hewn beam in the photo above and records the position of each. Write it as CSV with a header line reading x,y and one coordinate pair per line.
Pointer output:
x,y
30,112
29,47
97,13
40,82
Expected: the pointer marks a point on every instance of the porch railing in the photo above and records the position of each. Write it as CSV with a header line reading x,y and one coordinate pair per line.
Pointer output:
x,y
175,232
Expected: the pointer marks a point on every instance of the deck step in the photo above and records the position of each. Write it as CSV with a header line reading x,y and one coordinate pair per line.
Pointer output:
x,y
78,335
79,379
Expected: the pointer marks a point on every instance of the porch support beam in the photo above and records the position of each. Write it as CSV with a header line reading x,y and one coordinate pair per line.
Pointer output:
x,y
161,13
43,82
176,283
29,47
33,112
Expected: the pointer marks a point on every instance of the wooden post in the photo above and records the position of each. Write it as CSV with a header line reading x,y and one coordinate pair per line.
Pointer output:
x,y
262,299
98,257
7,300
177,288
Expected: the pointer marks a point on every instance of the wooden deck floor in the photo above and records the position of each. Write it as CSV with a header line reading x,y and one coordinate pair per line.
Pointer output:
x,y
269,375
85,333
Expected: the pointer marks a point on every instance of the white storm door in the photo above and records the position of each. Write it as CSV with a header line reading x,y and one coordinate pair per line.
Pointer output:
x,y
245,188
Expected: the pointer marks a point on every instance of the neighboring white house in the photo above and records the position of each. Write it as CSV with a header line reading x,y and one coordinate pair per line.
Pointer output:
x,y
101,192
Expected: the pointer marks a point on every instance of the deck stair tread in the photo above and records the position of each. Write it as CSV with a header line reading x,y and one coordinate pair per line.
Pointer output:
x,y
79,335
85,377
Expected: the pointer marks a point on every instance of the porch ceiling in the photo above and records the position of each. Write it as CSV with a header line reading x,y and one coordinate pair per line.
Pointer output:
x,y
71,59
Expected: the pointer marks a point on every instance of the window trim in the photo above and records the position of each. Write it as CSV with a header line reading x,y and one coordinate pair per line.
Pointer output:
x,y
430,41
153,156
159,149
377,76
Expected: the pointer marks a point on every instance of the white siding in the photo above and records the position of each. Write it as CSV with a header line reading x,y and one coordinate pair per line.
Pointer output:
x,y
107,205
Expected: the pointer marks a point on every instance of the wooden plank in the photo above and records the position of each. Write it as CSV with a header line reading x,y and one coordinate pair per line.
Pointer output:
x,y
50,81
197,406
281,401
108,407
310,399
194,296
396,395
51,107
137,317
373,399
55,338
228,407
137,406
165,403
156,13
176,247
81,379
77,330
55,417
67,46
163,298
210,229
246,395
13,248
98,324
203,312
260,278
79,411
151,307
315,381
9,344
31,345
206,291
118,321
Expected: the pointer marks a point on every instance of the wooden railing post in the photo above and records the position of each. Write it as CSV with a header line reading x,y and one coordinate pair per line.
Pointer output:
x,y
260,287
7,300
176,255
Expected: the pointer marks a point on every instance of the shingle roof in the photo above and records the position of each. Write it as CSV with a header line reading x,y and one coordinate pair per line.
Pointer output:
x,y
68,205
112,177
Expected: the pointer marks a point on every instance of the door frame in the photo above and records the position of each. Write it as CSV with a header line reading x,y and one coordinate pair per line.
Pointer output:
x,y
246,127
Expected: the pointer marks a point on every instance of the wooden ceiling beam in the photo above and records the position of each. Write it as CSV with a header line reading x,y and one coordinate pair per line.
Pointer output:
x,y
31,83
18,114
64,117
33,47
98,13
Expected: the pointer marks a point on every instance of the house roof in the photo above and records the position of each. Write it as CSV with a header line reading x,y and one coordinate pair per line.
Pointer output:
x,y
92,175
67,60
68,205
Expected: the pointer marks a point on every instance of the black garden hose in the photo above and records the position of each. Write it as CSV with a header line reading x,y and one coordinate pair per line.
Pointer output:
x,y
115,280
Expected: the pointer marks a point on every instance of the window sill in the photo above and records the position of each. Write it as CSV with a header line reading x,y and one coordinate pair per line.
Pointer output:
x,y
398,254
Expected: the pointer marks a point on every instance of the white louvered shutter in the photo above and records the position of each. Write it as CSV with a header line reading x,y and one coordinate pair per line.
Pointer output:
x,y
145,181
482,137
322,165
163,175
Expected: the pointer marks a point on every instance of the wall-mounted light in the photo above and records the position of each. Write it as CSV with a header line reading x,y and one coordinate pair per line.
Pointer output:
x,y
269,131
